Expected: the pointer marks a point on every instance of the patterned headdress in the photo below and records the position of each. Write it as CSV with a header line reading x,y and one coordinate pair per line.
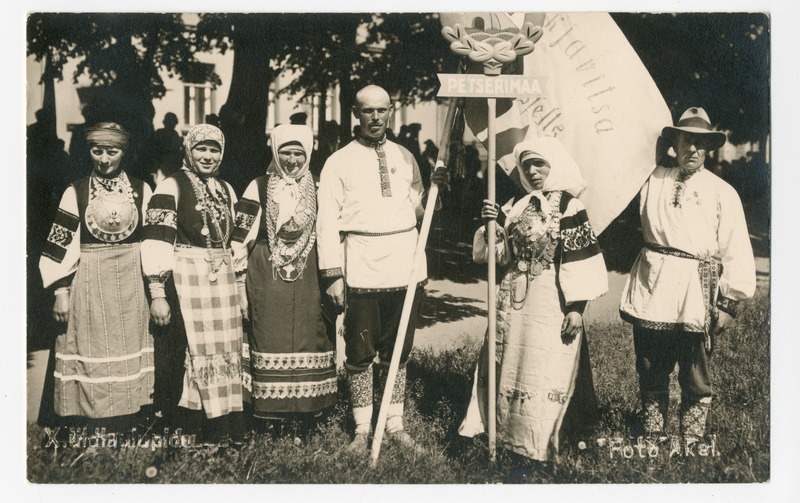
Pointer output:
x,y
198,134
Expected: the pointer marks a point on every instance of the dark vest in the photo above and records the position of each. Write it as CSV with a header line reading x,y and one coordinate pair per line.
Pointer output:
x,y
190,220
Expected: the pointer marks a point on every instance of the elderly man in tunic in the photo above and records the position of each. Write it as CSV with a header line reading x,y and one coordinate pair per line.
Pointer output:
x,y
371,197
696,265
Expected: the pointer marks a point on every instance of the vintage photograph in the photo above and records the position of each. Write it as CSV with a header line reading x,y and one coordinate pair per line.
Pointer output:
x,y
428,248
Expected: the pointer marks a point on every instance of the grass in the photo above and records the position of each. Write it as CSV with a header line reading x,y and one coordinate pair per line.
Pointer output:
x,y
438,391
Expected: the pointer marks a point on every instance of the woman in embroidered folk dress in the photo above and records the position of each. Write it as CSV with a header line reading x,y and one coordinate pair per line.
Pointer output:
x,y
555,267
291,348
187,259
104,360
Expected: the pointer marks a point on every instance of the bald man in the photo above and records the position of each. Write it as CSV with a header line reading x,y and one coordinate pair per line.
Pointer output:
x,y
370,199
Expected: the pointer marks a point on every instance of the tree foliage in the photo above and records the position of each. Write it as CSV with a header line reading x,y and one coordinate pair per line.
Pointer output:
x,y
401,52
719,61
128,50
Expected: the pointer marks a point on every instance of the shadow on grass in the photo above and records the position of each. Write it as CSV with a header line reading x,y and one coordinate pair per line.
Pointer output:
x,y
446,308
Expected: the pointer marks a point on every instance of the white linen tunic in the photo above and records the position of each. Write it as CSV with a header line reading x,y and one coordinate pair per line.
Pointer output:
x,y
664,291
362,227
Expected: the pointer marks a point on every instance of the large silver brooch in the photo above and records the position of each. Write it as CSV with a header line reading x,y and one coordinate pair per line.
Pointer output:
x,y
111,217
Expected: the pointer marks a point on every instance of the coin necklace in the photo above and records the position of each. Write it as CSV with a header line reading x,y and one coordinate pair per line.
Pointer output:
x,y
207,204
526,238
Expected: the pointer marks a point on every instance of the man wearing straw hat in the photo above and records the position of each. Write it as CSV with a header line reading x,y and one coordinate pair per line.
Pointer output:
x,y
370,199
683,289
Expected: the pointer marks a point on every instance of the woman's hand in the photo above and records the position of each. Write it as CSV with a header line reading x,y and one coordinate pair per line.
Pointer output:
x,y
571,327
159,311
243,304
61,307
489,210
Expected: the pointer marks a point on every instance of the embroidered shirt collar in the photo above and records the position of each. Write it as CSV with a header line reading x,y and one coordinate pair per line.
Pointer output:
x,y
369,143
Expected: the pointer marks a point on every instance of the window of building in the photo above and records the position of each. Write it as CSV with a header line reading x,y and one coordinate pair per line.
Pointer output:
x,y
198,101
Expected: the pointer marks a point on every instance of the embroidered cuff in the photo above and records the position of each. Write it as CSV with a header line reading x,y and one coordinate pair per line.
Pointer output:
x,y
727,305
333,273
61,291
158,278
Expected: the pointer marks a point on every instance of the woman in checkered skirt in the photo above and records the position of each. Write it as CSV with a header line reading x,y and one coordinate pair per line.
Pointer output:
x,y
201,375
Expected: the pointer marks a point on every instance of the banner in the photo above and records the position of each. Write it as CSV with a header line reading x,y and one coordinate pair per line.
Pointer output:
x,y
596,97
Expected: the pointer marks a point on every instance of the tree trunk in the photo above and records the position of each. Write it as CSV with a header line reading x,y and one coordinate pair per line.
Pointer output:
x,y
244,115
347,97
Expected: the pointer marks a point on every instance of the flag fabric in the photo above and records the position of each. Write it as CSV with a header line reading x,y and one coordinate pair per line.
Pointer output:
x,y
597,98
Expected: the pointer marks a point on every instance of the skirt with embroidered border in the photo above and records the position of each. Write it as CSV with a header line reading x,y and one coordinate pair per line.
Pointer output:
x,y
292,348
540,376
104,361
217,367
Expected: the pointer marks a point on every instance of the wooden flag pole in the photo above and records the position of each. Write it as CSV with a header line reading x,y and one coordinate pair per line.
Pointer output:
x,y
491,280
419,254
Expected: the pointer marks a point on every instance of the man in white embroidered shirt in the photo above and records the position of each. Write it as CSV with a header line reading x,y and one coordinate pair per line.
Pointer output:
x,y
370,199
696,265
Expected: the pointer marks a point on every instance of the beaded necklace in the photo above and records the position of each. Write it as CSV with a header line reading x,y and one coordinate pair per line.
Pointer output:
x,y
216,211
288,256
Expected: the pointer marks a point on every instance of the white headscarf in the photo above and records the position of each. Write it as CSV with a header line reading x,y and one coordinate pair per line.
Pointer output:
x,y
564,171
286,193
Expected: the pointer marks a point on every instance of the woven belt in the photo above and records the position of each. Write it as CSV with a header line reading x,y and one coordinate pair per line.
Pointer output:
x,y
388,233
709,270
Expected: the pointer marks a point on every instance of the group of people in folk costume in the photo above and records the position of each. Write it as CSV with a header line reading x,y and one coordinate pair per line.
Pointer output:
x,y
187,304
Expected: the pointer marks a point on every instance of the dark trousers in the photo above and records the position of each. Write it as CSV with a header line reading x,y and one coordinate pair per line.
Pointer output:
x,y
657,352
370,327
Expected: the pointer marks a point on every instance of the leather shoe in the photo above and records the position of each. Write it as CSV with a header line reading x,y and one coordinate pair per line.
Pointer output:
x,y
404,440
359,444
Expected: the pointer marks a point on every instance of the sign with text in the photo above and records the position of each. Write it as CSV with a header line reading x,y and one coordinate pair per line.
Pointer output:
x,y
470,85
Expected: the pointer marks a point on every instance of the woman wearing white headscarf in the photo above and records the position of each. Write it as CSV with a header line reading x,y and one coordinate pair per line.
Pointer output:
x,y
187,259
292,352
104,359
555,266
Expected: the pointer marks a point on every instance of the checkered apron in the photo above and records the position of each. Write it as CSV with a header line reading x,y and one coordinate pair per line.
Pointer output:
x,y
214,370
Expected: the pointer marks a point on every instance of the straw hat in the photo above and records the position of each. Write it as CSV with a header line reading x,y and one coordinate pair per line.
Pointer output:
x,y
695,121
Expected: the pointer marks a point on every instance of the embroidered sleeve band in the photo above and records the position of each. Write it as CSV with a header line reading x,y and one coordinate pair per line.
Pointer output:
x,y
578,239
61,235
246,212
161,219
